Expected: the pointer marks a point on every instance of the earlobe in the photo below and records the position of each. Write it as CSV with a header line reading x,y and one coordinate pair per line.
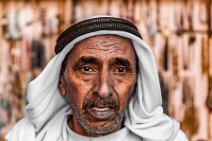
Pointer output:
x,y
61,86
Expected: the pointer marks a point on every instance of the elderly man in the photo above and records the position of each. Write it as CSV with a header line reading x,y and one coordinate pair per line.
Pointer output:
x,y
101,85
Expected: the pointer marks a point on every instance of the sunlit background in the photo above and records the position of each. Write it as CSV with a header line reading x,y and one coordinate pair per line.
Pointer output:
x,y
178,31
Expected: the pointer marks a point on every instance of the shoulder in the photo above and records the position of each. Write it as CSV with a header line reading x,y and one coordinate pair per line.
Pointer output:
x,y
180,136
17,132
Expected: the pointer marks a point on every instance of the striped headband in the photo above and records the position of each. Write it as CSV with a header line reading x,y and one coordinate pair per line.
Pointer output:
x,y
92,25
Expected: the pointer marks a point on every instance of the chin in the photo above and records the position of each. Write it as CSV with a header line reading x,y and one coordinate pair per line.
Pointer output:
x,y
99,128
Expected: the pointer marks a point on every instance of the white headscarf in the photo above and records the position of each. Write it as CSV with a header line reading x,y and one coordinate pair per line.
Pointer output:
x,y
46,108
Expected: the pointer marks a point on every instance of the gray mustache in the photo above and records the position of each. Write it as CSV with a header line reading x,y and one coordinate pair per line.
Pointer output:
x,y
99,102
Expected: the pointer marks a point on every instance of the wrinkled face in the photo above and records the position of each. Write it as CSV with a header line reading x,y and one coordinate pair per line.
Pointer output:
x,y
98,83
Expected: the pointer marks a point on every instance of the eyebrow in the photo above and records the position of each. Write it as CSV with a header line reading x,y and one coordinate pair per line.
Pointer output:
x,y
121,61
85,59
93,60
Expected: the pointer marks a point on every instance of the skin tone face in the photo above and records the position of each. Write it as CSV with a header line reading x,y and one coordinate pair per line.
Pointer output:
x,y
98,82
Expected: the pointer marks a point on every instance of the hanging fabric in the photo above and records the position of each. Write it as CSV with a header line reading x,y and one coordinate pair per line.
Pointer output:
x,y
190,121
209,98
164,93
204,56
175,61
165,55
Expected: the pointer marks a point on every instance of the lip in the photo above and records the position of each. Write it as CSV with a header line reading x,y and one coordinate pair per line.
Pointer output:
x,y
101,113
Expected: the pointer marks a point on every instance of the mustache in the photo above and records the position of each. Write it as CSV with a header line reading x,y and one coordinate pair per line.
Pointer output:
x,y
101,102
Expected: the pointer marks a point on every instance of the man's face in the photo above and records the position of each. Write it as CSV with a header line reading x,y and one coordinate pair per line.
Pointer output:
x,y
98,83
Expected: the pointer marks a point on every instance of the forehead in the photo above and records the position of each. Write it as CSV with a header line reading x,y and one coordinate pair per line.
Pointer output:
x,y
104,45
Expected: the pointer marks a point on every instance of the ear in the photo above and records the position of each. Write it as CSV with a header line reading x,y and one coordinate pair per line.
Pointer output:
x,y
61,86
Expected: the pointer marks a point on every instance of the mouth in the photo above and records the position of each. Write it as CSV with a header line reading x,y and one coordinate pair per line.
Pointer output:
x,y
101,113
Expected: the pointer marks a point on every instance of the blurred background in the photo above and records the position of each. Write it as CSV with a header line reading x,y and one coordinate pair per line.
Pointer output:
x,y
178,31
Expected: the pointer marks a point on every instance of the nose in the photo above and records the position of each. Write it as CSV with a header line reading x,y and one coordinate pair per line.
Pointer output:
x,y
104,87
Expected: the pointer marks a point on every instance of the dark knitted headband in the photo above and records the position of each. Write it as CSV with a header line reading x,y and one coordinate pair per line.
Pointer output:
x,y
92,25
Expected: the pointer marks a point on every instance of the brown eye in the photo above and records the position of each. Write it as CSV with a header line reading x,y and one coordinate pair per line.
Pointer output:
x,y
87,69
120,70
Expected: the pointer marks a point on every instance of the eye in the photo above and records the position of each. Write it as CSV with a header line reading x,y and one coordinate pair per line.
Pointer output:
x,y
87,69
120,70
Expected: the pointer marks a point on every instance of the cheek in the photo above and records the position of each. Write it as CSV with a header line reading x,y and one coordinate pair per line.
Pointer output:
x,y
77,88
124,89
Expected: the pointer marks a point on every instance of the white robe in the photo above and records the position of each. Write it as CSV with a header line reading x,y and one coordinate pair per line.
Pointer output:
x,y
144,118
68,135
